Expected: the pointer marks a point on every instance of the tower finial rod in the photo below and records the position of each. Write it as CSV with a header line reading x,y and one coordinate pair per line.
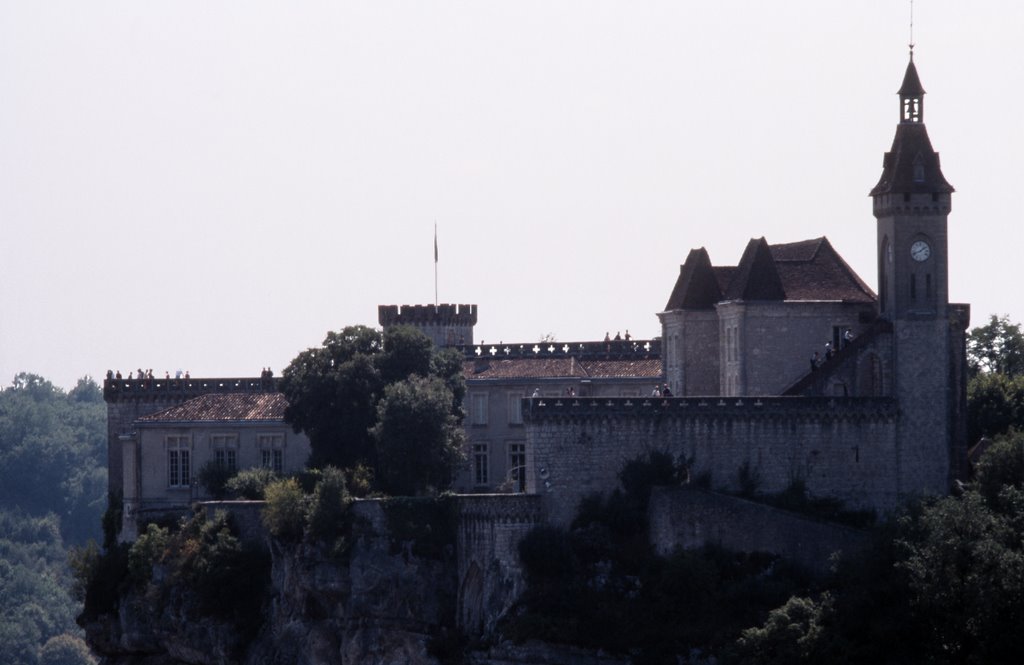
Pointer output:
x,y
911,30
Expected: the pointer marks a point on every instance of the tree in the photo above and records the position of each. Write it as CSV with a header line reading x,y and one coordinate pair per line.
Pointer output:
x,y
995,391
996,347
332,394
419,441
335,395
995,404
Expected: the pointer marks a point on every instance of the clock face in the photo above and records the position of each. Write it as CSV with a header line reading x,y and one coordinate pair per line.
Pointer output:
x,y
920,251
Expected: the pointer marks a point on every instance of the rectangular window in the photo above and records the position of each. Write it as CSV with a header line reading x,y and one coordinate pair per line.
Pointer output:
x,y
179,461
517,466
225,450
480,465
271,451
515,409
913,287
479,409
928,285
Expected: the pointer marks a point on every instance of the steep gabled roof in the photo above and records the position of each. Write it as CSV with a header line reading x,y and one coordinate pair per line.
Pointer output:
x,y
698,286
814,270
804,270
756,277
223,407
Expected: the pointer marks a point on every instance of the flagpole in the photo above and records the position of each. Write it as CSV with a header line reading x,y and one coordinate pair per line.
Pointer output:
x,y
435,265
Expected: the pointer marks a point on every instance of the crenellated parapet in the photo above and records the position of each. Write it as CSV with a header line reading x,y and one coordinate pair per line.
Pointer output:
x,y
420,315
446,325
119,390
500,508
816,409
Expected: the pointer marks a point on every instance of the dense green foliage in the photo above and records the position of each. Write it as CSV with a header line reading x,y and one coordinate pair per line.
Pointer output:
x,y
53,490
250,484
206,573
285,512
53,448
996,347
35,603
389,401
995,391
419,439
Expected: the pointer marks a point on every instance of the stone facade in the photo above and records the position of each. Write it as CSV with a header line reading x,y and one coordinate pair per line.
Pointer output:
x,y
842,448
130,399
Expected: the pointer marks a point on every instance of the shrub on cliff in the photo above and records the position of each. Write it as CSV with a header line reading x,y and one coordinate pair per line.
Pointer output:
x,y
251,483
284,514
147,549
329,506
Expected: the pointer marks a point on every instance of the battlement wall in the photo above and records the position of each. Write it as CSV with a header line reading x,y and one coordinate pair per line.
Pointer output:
x,y
845,448
490,575
419,315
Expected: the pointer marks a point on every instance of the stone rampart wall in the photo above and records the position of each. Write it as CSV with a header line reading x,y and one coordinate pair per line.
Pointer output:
x,y
691,518
490,575
840,448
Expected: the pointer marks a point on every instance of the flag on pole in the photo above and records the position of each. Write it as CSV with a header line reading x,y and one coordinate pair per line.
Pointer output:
x,y
435,242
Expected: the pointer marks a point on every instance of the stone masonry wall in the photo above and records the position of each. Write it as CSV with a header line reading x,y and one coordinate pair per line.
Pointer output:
x,y
841,448
690,518
490,575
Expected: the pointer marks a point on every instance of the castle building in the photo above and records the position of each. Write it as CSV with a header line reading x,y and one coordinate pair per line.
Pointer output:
x,y
785,368
875,419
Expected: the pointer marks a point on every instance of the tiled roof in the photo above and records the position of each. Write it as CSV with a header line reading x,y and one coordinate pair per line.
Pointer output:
x,y
560,368
804,270
224,407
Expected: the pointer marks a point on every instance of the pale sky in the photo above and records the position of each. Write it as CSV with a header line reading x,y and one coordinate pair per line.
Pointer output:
x,y
213,186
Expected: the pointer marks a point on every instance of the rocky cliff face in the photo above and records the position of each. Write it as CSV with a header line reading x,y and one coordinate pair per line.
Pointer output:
x,y
413,583
377,600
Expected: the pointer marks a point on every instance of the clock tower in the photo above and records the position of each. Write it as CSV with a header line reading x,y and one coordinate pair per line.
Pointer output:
x,y
911,204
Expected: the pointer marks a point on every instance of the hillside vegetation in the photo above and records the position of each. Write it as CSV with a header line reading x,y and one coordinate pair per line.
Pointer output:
x,y
53,482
